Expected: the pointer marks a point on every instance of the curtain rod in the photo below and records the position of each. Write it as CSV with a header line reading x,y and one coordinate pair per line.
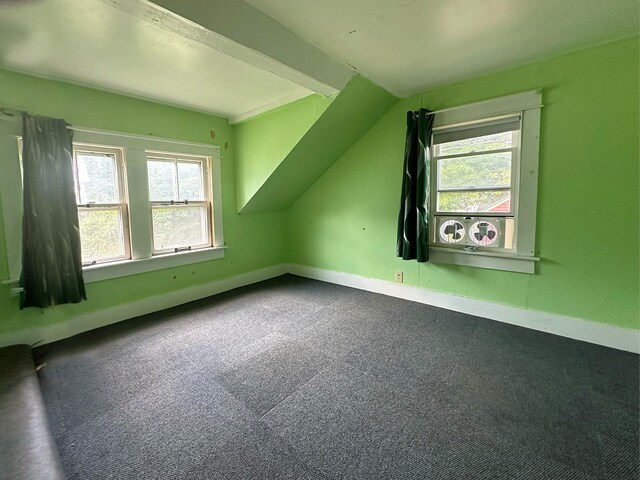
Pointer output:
x,y
9,114
12,115
490,115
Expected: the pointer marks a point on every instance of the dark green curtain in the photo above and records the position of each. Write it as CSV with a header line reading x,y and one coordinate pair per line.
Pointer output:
x,y
51,260
413,219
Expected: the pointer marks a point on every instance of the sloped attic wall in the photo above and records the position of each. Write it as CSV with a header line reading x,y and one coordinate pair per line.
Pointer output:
x,y
272,176
262,142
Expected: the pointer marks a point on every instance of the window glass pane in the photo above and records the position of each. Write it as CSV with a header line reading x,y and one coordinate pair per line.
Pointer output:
x,y
179,226
162,180
190,182
479,201
495,141
491,170
97,178
101,233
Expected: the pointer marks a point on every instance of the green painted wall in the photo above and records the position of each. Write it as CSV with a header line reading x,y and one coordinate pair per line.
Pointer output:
x,y
588,177
346,220
356,108
255,241
262,142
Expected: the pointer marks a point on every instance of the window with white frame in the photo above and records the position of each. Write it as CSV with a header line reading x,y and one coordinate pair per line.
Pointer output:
x,y
475,167
102,203
180,202
484,183
138,197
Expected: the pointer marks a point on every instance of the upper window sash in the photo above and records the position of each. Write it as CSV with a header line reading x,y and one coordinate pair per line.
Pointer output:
x,y
204,193
119,173
507,148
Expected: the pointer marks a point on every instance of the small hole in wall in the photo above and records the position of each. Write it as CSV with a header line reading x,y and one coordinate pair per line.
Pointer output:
x,y
174,277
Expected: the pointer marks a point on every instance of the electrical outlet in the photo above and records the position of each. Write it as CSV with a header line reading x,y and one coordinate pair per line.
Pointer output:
x,y
399,277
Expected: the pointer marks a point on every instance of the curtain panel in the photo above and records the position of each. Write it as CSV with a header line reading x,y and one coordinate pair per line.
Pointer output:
x,y
51,258
413,218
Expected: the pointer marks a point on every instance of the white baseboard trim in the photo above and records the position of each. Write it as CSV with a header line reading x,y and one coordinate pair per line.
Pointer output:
x,y
577,328
88,321
585,330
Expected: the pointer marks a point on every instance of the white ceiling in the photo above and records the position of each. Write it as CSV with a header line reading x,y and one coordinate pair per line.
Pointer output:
x,y
407,46
90,42
231,58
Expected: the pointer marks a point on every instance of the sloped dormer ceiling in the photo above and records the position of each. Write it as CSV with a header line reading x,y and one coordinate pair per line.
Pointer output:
x,y
356,108
138,48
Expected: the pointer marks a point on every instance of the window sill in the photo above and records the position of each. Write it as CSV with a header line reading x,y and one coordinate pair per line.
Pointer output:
x,y
493,261
105,271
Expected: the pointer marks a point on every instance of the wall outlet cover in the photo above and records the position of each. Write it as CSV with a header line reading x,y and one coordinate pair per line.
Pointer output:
x,y
399,277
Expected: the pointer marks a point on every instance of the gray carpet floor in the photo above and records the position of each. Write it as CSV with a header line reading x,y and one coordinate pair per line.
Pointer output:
x,y
298,379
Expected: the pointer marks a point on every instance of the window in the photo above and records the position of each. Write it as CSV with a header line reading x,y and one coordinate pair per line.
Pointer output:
x,y
144,203
180,202
484,183
475,167
102,203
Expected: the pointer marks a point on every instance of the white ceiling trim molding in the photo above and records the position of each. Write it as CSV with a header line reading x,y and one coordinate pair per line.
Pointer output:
x,y
245,33
266,107
232,119
113,91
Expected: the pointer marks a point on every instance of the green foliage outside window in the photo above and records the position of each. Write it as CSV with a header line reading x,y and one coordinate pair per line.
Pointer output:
x,y
477,171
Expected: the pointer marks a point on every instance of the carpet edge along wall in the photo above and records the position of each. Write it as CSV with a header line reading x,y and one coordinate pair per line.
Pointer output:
x,y
346,220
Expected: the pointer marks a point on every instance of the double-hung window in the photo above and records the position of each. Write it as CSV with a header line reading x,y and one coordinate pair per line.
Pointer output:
x,y
484,170
102,203
180,202
144,203
476,183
